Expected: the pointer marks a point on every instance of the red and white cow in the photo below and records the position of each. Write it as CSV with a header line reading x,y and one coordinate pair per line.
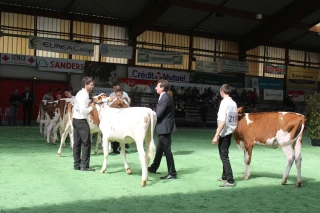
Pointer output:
x,y
41,119
271,129
135,124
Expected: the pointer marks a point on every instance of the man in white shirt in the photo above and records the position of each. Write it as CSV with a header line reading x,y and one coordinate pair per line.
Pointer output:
x,y
227,123
82,107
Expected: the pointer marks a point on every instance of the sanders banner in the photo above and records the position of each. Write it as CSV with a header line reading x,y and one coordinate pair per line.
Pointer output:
x,y
61,46
156,74
13,59
60,65
274,69
116,51
207,66
159,57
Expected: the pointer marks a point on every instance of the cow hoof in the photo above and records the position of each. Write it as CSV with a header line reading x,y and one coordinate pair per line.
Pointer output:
x,y
128,171
284,182
102,171
245,178
298,185
58,154
143,183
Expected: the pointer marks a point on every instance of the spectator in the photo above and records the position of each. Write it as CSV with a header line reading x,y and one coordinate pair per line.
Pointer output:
x,y
203,111
254,98
27,99
68,94
48,96
58,94
15,101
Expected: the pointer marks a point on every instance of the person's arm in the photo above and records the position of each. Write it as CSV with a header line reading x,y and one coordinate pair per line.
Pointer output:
x,y
219,129
83,109
222,117
161,108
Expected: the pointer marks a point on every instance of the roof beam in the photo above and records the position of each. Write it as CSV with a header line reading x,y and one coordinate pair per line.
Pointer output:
x,y
63,15
150,14
282,20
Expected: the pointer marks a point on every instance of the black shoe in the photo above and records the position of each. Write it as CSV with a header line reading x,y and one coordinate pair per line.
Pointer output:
x,y
76,168
87,169
168,177
152,170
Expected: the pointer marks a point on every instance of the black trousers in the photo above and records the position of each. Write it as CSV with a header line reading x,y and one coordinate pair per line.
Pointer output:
x,y
223,145
82,140
164,146
27,110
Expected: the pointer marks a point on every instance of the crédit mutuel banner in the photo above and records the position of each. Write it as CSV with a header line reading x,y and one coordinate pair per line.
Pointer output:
x,y
60,65
61,46
156,74
13,59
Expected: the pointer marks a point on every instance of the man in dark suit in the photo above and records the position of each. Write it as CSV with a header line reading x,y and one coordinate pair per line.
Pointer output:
x,y
165,126
27,100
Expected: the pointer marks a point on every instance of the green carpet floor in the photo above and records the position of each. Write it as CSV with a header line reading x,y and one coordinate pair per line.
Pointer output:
x,y
34,179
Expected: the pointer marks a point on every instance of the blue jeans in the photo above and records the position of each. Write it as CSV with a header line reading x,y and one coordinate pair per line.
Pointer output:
x,y
13,115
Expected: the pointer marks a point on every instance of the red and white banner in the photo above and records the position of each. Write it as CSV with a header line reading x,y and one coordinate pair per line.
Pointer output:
x,y
296,95
60,65
24,60
138,85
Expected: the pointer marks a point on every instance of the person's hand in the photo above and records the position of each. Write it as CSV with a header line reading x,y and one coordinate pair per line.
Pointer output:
x,y
215,140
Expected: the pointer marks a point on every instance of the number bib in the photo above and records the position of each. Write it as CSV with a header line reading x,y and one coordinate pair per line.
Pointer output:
x,y
232,118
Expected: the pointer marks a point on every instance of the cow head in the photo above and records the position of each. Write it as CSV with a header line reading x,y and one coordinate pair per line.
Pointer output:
x,y
118,103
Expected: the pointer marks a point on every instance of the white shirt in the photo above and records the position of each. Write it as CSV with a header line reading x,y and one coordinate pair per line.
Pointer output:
x,y
160,96
124,95
228,112
27,95
81,105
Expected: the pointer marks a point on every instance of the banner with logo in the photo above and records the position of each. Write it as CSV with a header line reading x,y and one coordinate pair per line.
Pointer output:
x,y
60,65
274,69
145,86
216,79
14,59
296,95
302,78
61,46
234,66
99,90
207,66
159,57
255,83
116,51
270,83
156,74
272,95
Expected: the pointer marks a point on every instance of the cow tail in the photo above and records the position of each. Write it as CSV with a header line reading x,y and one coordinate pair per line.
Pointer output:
x,y
152,147
302,125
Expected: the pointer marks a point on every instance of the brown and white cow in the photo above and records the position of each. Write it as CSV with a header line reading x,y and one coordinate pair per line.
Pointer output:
x,y
42,117
134,124
271,129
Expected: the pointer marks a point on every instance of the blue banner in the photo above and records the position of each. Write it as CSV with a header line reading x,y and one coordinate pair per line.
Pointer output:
x,y
270,83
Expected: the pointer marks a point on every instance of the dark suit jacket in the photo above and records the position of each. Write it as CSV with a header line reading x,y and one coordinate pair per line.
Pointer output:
x,y
27,102
165,115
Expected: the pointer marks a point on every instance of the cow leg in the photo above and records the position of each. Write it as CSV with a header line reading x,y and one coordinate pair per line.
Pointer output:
x,y
105,141
55,132
123,155
247,161
46,124
63,140
144,166
96,151
49,131
298,159
40,125
290,157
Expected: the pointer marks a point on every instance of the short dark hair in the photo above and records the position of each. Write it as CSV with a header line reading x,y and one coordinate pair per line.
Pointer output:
x,y
164,84
59,89
116,84
225,88
119,90
50,90
86,80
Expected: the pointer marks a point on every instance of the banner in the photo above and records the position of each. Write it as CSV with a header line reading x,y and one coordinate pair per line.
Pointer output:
x,y
234,66
272,95
116,51
274,69
156,74
217,79
99,90
159,57
60,65
302,78
145,86
206,66
296,95
255,83
270,83
61,46
24,60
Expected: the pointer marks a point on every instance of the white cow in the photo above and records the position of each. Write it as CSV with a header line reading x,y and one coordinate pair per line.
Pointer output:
x,y
135,124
